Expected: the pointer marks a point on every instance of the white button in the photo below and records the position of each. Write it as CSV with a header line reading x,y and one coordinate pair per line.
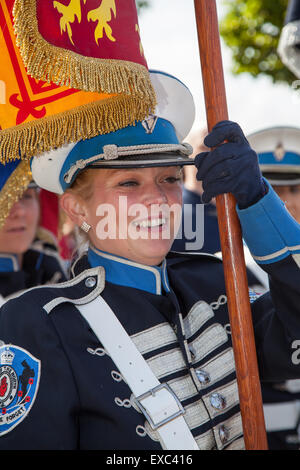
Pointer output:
x,y
90,282
217,401
203,376
224,434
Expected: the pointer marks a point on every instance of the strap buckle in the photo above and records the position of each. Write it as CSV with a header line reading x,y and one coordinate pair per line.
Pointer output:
x,y
153,393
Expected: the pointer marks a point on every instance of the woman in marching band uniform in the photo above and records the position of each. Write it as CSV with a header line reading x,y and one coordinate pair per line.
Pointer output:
x,y
134,352
28,255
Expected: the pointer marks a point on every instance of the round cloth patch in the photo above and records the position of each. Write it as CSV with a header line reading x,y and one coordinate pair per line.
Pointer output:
x,y
19,381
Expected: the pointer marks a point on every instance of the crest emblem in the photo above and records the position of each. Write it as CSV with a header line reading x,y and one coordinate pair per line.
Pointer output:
x,y
149,123
19,381
279,152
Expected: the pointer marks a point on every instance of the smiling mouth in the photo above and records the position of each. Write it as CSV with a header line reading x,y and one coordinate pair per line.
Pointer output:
x,y
16,230
150,223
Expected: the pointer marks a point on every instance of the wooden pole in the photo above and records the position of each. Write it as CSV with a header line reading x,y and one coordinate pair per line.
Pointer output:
x,y
231,239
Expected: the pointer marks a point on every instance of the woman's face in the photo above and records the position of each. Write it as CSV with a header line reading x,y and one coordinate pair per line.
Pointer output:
x,y
290,195
20,226
135,213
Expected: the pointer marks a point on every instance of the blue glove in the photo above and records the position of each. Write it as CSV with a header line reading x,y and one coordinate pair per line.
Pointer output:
x,y
231,167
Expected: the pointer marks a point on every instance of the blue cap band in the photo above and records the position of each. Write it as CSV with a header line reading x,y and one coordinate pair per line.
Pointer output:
x,y
6,171
268,158
162,133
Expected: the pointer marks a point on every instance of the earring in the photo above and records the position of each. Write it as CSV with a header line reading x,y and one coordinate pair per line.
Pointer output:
x,y
85,226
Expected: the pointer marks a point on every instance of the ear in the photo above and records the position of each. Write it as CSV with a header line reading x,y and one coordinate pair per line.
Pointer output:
x,y
74,207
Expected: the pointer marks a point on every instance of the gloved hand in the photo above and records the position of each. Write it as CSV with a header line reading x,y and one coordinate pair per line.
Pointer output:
x,y
231,167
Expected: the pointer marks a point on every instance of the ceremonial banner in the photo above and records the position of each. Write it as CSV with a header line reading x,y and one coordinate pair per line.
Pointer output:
x,y
68,46
70,70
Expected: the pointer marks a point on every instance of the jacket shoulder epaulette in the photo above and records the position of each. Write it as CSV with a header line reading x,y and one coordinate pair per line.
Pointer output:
x,y
79,290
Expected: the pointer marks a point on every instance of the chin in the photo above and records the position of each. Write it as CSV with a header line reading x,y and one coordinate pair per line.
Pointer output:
x,y
17,250
20,248
155,254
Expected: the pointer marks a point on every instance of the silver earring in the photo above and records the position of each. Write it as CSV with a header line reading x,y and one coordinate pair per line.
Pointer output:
x,y
85,226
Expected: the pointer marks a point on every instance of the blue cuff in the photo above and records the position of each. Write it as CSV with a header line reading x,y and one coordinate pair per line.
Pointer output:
x,y
8,263
269,230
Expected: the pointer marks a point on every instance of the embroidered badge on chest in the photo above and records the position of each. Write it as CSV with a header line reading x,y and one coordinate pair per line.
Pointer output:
x,y
19,381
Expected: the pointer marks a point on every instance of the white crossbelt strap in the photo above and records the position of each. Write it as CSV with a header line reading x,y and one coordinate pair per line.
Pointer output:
x,y
282,416
159,404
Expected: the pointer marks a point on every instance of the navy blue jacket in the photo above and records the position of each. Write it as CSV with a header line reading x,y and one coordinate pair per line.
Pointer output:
x,y
41,264
70,394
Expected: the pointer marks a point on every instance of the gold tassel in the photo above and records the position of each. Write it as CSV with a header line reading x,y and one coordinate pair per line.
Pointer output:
x,y
89,120
49,63
13,189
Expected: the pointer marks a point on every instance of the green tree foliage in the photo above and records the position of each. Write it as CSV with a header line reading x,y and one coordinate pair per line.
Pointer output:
x,y
251,28
141,4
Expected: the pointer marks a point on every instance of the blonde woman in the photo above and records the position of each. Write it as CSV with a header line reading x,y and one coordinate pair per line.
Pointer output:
x,y
134,352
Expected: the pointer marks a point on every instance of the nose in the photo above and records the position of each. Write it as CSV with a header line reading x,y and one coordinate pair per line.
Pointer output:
x,y
293,208
17,210
155,194
290,203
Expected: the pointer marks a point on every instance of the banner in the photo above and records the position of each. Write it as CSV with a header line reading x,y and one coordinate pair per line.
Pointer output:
x,y
85,73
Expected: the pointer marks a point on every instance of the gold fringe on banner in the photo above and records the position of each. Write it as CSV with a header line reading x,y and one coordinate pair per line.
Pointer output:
x,y
14,188
49,63
89,120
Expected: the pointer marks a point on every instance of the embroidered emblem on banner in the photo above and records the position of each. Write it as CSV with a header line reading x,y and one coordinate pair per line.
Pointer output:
x,y
19,381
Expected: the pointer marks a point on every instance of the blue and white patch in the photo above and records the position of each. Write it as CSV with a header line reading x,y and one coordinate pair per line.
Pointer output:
x,y
19,382
253,295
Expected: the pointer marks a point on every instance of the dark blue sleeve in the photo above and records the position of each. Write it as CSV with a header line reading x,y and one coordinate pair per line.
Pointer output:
x,y
273,237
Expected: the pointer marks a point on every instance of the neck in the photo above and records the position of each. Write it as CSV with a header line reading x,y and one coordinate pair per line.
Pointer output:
x,y
151,262
20,259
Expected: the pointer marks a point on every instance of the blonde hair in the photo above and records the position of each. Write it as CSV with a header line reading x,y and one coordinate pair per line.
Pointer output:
x,y
82,186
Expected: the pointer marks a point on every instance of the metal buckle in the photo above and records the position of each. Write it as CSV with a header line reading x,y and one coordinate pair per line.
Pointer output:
x,y
152,392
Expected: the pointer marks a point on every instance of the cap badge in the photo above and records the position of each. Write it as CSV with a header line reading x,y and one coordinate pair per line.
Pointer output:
x,y
279,152
149,123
